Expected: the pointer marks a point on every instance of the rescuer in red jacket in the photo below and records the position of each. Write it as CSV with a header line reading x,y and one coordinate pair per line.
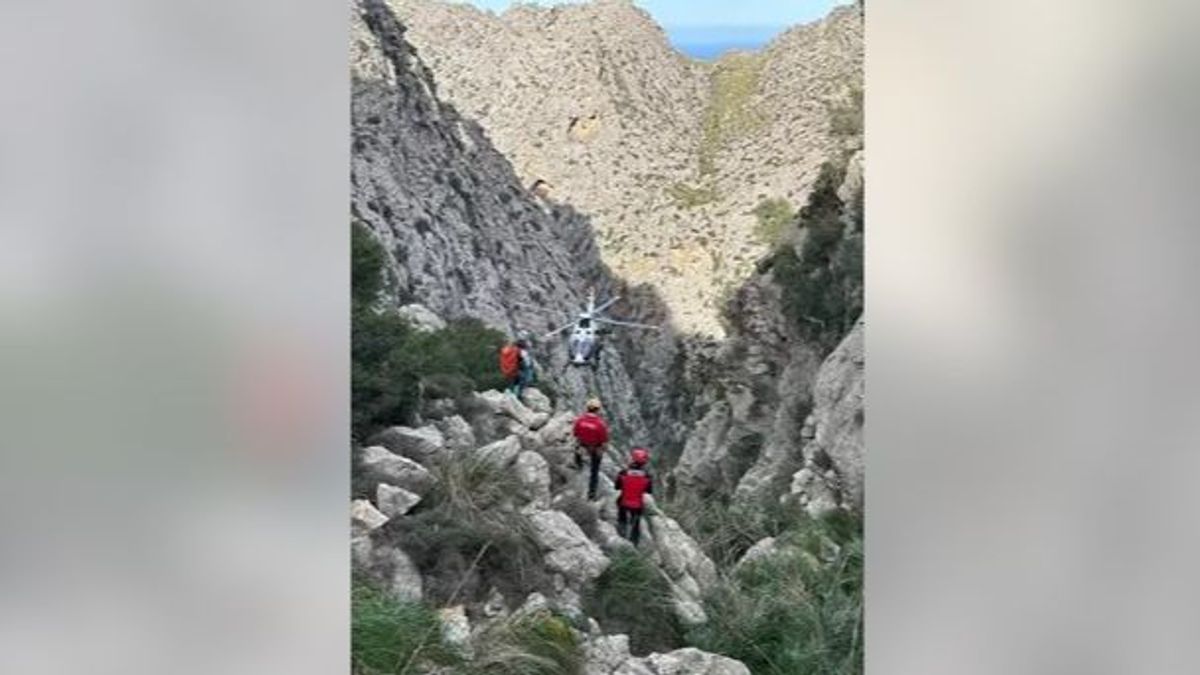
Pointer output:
x,y
633,483
591,433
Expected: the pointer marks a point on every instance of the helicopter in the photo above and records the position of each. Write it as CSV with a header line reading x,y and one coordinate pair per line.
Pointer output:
x,y
587,329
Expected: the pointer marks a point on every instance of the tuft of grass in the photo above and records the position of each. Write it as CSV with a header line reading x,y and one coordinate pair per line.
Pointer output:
x,y
726,531
541,643
464,538
688,197
798,611
386,634
632,596
774,215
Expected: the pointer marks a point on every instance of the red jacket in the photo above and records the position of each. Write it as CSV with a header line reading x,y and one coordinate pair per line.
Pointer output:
x,y
590,430
634,483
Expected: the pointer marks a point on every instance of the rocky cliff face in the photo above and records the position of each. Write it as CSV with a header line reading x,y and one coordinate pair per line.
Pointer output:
x,y
465,236
767,403
669,157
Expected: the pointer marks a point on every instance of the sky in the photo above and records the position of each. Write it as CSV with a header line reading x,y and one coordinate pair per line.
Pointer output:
x,y
704,28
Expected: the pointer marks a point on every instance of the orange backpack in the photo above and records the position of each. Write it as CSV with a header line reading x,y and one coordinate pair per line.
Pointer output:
x,y
510,360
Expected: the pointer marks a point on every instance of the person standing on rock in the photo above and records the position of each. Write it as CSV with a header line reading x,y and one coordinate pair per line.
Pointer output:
x,y
633,483
517,366
591,434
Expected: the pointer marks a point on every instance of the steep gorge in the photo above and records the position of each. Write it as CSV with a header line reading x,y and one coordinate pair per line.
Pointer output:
x,y
768,412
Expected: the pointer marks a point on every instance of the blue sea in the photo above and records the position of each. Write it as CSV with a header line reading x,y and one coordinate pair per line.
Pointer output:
x,y
709,42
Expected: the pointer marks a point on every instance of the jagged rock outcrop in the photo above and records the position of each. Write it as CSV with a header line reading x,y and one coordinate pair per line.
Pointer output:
x,y
669,156
836,446
755,399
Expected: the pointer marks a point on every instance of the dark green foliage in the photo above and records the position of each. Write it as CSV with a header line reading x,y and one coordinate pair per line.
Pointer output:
x,y
366,266
385,633
391,363
823,287
797,611
633,597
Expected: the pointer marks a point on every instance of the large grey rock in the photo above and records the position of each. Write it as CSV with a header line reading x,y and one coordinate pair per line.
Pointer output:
x,y
422,318
421,445
364,517
692,661
509,406
606,653
609,655
458,434
689,569
567,548
839,415
385,467
405,579
388,566
761,550
534,475
502,453
536,401
395,501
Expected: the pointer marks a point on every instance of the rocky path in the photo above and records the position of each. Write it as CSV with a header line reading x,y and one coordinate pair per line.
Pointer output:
x,y
530,444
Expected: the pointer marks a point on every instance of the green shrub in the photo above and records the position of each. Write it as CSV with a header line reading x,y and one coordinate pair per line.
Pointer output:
x,y
633,597
367,278
385,633
798,611
775,216
537,644
391,362
823,286
846,117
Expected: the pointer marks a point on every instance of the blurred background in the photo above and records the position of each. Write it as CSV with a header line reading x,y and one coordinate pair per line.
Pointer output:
x,y
173,337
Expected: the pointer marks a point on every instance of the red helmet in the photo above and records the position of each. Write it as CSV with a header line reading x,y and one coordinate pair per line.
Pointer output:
x,y
639,456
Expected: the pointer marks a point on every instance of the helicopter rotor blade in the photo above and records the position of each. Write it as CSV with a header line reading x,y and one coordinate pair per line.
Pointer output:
x,y
556,331
608,303
629,324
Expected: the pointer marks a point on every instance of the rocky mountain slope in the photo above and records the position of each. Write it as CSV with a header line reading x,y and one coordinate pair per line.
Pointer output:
x,y
464,237
670,157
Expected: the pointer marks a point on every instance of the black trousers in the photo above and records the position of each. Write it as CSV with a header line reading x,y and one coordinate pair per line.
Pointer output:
x,y
629,523
594,480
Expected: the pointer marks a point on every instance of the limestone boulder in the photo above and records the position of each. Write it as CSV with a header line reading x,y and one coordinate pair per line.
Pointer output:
x,y
395,501
383,466
567,549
